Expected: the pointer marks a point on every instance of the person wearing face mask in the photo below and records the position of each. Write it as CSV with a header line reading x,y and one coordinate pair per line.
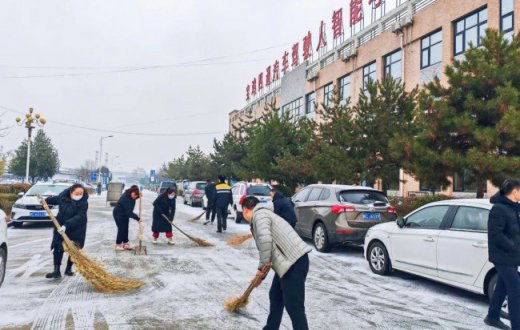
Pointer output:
x,y
72,217
504,253
164,205
123,211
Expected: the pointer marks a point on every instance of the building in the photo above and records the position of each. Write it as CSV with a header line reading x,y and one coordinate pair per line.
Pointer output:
x,y
414,40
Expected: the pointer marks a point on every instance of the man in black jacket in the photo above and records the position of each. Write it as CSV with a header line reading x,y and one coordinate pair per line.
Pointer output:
x,y
210,191
504,253
223,198
283,207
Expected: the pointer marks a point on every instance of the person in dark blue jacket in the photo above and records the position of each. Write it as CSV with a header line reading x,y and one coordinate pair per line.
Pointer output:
x,y
223,198
283,207
504,253
210,191
123,211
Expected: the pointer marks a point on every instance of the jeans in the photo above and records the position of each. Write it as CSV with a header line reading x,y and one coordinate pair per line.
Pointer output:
x,y
210,209
289,292
122,231
222,218
508,283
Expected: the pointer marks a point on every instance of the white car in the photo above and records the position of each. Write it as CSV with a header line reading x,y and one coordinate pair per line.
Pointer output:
x,y
3,245
241,190
29,209
444,241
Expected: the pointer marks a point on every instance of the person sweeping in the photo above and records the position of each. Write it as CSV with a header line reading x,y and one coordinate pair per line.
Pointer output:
x,y
164,205
123,211
281,248
72,217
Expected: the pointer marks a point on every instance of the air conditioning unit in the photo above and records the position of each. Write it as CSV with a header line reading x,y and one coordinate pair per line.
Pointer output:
x,y
348,54
402,23
311,75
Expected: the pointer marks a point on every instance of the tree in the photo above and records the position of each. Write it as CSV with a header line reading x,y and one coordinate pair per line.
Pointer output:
x,y
86,169
228,156
44,162
473,123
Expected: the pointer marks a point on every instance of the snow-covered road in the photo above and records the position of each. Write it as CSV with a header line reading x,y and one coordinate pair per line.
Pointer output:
x,y
187,285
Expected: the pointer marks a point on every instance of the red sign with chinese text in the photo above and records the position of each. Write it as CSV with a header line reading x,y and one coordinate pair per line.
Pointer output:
x,y
295,55
285,63
268,76
356,11
307,46
337,23
322,41
276,70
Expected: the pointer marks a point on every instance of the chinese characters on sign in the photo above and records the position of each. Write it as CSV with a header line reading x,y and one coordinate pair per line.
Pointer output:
x,y
268,76
307,46
248,93
253,87
322,41
261,81
337,24
374,3
295,56
356,12
285,63
276,71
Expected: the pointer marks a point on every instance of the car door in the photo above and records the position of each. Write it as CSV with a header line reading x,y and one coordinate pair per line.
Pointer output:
x,y
462,250
414,245
310,210
299,201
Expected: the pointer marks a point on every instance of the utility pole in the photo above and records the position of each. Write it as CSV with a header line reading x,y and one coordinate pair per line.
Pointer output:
x,y
30,121
101,156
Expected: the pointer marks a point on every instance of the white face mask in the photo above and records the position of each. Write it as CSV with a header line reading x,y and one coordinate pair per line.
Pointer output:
x,y
77,197
171,196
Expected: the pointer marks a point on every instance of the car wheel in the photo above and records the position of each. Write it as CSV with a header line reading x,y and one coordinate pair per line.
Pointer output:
x,y
239,217
185,201
320,238
378,259
491,290
3,264
17,224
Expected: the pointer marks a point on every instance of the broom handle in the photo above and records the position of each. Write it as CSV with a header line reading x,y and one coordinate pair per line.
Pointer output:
x,y
171,223
140,222
53,218
255,280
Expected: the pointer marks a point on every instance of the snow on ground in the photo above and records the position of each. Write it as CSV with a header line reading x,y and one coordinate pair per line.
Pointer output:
x,y
187,285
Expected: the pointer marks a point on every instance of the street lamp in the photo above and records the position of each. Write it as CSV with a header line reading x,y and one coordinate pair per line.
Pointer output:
x,y
101,155
30,121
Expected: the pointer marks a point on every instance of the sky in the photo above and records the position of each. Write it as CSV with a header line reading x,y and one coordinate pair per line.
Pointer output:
x,y
141,66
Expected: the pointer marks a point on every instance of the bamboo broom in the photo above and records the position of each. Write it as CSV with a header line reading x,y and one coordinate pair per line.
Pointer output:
x,y
234,304
197,217
238,240
92,270
140,249
199,241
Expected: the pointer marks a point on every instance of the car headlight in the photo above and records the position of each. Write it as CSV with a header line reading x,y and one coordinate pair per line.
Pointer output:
x,y
19,206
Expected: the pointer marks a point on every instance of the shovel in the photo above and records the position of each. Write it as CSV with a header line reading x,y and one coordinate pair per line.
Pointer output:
x,y
141,249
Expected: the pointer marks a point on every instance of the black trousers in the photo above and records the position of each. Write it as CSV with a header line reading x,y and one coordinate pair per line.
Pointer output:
x,y
211,210
122,231
58,256
222,218
289,292
508,284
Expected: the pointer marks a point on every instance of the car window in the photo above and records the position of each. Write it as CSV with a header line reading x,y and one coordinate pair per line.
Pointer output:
x,y
302,195
362,197
258,190
314,195
471,218
46,190
325,194
201,186
430,217
241,190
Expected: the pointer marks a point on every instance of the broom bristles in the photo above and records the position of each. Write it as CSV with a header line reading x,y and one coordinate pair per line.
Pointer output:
x,y
201,242
197,217
239,239
236,303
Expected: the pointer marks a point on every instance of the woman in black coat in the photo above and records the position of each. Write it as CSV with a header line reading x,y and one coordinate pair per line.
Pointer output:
x,y
164,204
72,216
123,211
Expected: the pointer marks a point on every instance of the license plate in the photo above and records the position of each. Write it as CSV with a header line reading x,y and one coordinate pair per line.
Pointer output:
x,y
371,216
38,214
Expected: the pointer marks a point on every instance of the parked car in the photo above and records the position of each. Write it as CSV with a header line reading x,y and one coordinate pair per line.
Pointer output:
x,y
443,241
338,214
165,185
194,193
28,207
242,190
3,245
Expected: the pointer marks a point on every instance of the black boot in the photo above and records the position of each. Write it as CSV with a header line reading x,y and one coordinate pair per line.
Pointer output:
x,y
68,270
55,274
496,323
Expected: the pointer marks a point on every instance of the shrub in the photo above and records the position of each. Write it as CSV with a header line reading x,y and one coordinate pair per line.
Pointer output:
x,y
14,188
408,204
7,201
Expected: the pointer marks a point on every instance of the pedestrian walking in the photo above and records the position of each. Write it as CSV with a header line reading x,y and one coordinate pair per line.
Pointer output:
x,y
504,253
72,217
279,245
283,206
210,191
123,211
99,188
164,205
223,198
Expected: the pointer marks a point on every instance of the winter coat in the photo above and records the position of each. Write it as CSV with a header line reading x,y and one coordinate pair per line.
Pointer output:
x,y
163,205
284,207
210,191
223,196
71,214
124,209
504,232
276,240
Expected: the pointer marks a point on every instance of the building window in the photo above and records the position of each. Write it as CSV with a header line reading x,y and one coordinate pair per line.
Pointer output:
x,y
293,108
327,94
369,74
393,65
431,49
344,88
463,182
309,102
470,30
507,18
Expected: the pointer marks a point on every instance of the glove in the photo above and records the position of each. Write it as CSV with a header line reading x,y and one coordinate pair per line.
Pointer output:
x,y
62,229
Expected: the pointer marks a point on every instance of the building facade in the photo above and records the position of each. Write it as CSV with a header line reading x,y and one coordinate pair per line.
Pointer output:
x,y
413,41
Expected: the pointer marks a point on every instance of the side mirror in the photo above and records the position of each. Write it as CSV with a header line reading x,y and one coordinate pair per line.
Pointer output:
x,y
21,193
401,222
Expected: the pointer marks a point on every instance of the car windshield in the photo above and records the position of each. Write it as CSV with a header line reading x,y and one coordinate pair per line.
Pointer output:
x,y
168,184
362,197
200,186
46,190
258,190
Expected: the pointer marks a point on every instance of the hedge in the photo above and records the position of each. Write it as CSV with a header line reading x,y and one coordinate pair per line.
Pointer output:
x,y
7,201
408,204
14,188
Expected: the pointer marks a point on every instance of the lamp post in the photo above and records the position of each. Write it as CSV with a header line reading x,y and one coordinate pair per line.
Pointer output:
x,y
30,123
101,155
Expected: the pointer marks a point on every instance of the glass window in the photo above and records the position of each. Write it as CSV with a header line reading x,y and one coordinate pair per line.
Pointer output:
x,y
325,194
200,186
471,218
302,195
293,108
393,65
431,49
314,195
369,74
507,18
310,99
327,94
470,29
46,190
344,87
430,218
362,197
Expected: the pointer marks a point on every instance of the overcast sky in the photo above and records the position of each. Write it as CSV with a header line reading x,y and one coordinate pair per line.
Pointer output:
x,y
60,56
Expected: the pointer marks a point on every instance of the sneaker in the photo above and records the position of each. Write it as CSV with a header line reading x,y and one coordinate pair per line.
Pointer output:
x,y
205,223
120,247
170,241
496,324
154,241
128,246
219,231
